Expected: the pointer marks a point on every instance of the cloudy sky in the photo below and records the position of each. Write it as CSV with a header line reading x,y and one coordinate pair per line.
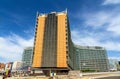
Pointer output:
x,y
92,22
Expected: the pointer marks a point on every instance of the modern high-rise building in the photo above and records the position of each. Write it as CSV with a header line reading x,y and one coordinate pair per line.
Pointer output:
x,y
27,56
53,47
91,58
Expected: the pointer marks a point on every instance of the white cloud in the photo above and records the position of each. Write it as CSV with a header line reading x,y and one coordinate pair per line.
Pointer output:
x,y
114,25
115,58
11,47
109,21
96,19
106,2
102,29
94,40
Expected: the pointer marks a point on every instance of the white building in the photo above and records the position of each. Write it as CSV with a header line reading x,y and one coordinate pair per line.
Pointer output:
x,y
16,65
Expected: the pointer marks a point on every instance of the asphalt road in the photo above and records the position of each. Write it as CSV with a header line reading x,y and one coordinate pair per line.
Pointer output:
x,y
113,77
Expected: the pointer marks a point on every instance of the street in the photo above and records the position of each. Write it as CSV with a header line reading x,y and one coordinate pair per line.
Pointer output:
x,y
113,77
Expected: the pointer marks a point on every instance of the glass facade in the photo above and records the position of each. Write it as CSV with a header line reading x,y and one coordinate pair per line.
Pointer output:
x,y
27,56
91,58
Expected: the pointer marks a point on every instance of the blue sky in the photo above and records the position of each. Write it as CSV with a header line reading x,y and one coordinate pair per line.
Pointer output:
x,y
92,22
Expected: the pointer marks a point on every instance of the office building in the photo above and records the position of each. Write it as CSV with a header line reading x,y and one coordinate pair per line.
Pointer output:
x,y
91,58
27,56
53,47
17,65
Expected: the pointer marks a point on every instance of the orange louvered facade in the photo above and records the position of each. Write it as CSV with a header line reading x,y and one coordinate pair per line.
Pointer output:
x,y
61,43
52,41
39,42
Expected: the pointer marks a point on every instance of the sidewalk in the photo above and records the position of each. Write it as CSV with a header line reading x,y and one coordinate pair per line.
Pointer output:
x,y
28,78
99,76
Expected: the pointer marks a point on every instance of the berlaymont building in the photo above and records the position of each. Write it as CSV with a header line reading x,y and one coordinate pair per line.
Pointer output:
x,y
91,58
53,48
